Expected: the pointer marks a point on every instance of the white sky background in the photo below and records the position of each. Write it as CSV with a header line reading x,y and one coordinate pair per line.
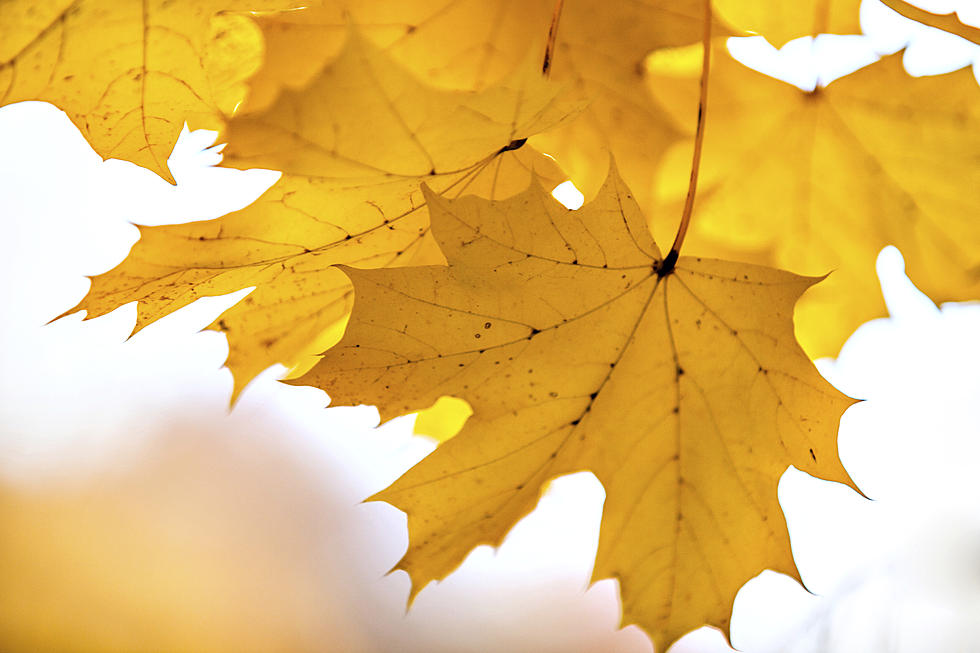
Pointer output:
x,y
132,438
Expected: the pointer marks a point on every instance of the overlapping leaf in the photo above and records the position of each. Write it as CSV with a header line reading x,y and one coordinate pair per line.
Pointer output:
x,y
128,74
471,44
686,395
355,144
821,181
780,22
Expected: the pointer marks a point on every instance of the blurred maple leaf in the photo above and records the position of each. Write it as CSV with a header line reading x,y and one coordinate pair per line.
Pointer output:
x,y
472,44
780,22
822,180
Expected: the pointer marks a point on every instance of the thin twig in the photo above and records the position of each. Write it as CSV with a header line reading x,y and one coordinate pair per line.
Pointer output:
x,y
671,259
549,49
946,22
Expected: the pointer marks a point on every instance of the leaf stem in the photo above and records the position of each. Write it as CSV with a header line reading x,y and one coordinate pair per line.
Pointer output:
x,y
667,265
549,49
946,22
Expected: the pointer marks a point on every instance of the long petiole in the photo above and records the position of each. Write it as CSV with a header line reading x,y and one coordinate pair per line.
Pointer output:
x,y
671,259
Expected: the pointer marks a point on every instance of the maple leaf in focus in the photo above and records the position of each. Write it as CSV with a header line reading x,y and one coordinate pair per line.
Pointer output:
x,y
823,180
685,394
780,22
129,74
354,145
471,44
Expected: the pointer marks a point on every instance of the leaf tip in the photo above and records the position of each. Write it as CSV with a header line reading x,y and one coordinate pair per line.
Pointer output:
x,y
238,385
814,280
75,309
428,193
415,584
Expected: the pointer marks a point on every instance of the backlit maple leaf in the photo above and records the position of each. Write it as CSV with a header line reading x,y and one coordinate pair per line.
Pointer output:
x,y
471,44
684,393
354,145
128,74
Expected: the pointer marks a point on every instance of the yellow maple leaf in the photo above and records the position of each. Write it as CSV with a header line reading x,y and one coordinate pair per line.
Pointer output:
x,y
354,143
821,181
470,45
780,22
684,393
128,74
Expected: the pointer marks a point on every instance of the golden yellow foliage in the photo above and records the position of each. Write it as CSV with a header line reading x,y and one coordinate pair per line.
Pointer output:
x,y
821,181
353,155
575,343
686,394
470,45
129,74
